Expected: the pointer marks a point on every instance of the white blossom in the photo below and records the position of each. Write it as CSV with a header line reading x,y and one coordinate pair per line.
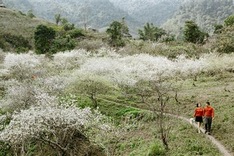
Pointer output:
x,y
28,60
31,122
71,59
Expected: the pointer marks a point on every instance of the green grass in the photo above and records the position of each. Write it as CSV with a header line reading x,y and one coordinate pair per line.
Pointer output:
x,y
218,89
141,141
183,137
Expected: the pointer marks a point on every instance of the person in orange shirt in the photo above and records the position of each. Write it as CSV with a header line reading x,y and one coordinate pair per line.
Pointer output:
x,y
198,114
208,116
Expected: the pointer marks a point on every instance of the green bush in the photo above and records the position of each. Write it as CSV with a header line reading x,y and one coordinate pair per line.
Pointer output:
x,y
62,44
192,33
157,150
5,149
115,34
2,43
17,43
75,33
43,37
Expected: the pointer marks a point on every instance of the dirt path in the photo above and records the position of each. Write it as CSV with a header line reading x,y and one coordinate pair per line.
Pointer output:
x,y
220,146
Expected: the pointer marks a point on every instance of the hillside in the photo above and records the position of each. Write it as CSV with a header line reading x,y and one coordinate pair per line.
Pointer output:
x,y
152,11
18,24
98,14
119,83
95,13
206,13
102,100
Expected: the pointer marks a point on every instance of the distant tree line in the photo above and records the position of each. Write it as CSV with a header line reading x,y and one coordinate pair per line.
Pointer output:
x,y
64,36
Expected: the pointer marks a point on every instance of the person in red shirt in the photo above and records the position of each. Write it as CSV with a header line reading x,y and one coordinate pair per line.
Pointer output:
x,y
208,116
198,114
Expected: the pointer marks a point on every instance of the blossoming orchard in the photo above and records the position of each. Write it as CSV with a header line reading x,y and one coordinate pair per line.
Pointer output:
x,y
40,104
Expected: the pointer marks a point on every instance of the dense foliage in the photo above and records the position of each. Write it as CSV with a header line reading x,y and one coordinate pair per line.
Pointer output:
x,y
193,34
117,31
49,41
14,42
43,39
151,32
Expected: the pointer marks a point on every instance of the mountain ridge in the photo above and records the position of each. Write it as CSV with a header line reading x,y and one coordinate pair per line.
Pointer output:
x,y
98,14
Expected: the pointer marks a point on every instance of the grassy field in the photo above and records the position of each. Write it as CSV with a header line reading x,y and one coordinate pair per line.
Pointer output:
x,y
217,89
183,138
144,137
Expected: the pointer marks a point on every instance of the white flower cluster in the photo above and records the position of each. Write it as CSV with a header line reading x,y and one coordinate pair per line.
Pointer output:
x,y
54,84
31,123
18,96
217,62
26,60
69,60
36,101
140,67
105,52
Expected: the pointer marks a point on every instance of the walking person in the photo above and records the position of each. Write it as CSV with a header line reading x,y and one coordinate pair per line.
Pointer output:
x,y
198,114
208,116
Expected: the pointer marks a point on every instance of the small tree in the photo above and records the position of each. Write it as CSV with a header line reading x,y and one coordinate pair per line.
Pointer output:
x,y
115,32
218,28
162,96
156,95
55,131
125,29
43,37
150,32
192,33
92,86
225,40
57,18
30,14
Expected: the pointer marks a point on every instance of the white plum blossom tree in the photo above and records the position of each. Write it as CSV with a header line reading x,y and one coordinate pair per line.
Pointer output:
x,y
22,66
58,127
91,85
32,86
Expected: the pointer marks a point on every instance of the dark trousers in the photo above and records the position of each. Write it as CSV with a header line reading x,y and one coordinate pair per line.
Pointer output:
x,y
208,122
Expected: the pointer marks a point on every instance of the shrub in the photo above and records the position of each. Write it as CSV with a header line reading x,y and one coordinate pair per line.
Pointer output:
x,y
192,33
62,44
225,40
156,150
75,33
18,43
43,37
116,35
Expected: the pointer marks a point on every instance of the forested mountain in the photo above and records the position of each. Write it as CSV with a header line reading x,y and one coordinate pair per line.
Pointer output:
x,y
95,13
169,14
152,11
206,13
